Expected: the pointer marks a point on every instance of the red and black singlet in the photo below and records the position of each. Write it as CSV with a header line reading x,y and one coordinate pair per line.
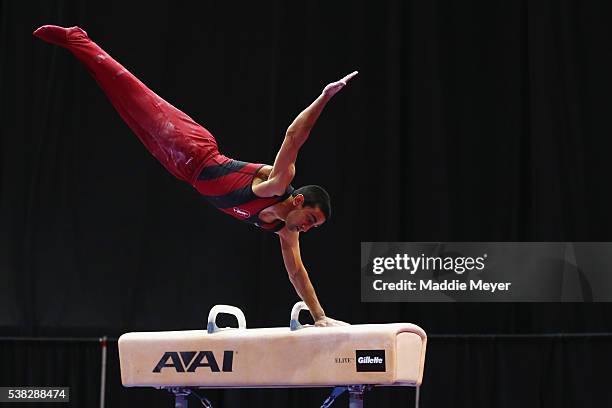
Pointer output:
x,y
227,185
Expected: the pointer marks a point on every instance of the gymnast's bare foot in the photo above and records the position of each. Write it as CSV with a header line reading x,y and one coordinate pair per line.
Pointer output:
x,y
58,35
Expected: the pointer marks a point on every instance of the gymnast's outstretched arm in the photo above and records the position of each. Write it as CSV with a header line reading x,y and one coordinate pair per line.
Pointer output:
x,y
283,169
290,246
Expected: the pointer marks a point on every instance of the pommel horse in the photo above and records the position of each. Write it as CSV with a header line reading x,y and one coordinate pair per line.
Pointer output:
x,y
354,358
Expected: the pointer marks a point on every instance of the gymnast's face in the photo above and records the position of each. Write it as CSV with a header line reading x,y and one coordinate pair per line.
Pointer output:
x,y
302,218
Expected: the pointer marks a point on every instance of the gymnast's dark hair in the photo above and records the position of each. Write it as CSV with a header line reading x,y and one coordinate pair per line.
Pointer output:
x,y
315,196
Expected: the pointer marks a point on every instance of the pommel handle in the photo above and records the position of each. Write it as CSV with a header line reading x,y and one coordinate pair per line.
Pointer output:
x,y
232,310
295,324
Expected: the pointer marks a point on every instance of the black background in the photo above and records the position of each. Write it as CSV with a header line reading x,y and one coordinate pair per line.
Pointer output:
x,y
469,121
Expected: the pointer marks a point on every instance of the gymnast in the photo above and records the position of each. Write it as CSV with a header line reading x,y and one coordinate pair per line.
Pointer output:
x,y
255,193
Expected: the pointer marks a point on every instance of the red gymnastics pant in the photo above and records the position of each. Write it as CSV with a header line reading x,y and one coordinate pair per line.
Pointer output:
x,y
180,144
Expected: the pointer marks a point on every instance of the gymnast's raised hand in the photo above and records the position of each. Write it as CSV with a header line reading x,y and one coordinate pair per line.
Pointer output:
x,y
257,194
333,88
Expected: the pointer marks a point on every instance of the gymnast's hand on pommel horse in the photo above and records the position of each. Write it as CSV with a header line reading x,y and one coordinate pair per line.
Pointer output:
x,y
258,194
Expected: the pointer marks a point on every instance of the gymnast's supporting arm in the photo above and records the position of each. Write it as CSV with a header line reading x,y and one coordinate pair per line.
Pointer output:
x,y
290,246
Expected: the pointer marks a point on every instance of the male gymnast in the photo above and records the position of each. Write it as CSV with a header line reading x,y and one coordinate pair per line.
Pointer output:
x,y
255,193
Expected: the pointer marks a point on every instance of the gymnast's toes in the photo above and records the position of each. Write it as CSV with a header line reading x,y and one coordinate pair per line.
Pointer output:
x,y
59,35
